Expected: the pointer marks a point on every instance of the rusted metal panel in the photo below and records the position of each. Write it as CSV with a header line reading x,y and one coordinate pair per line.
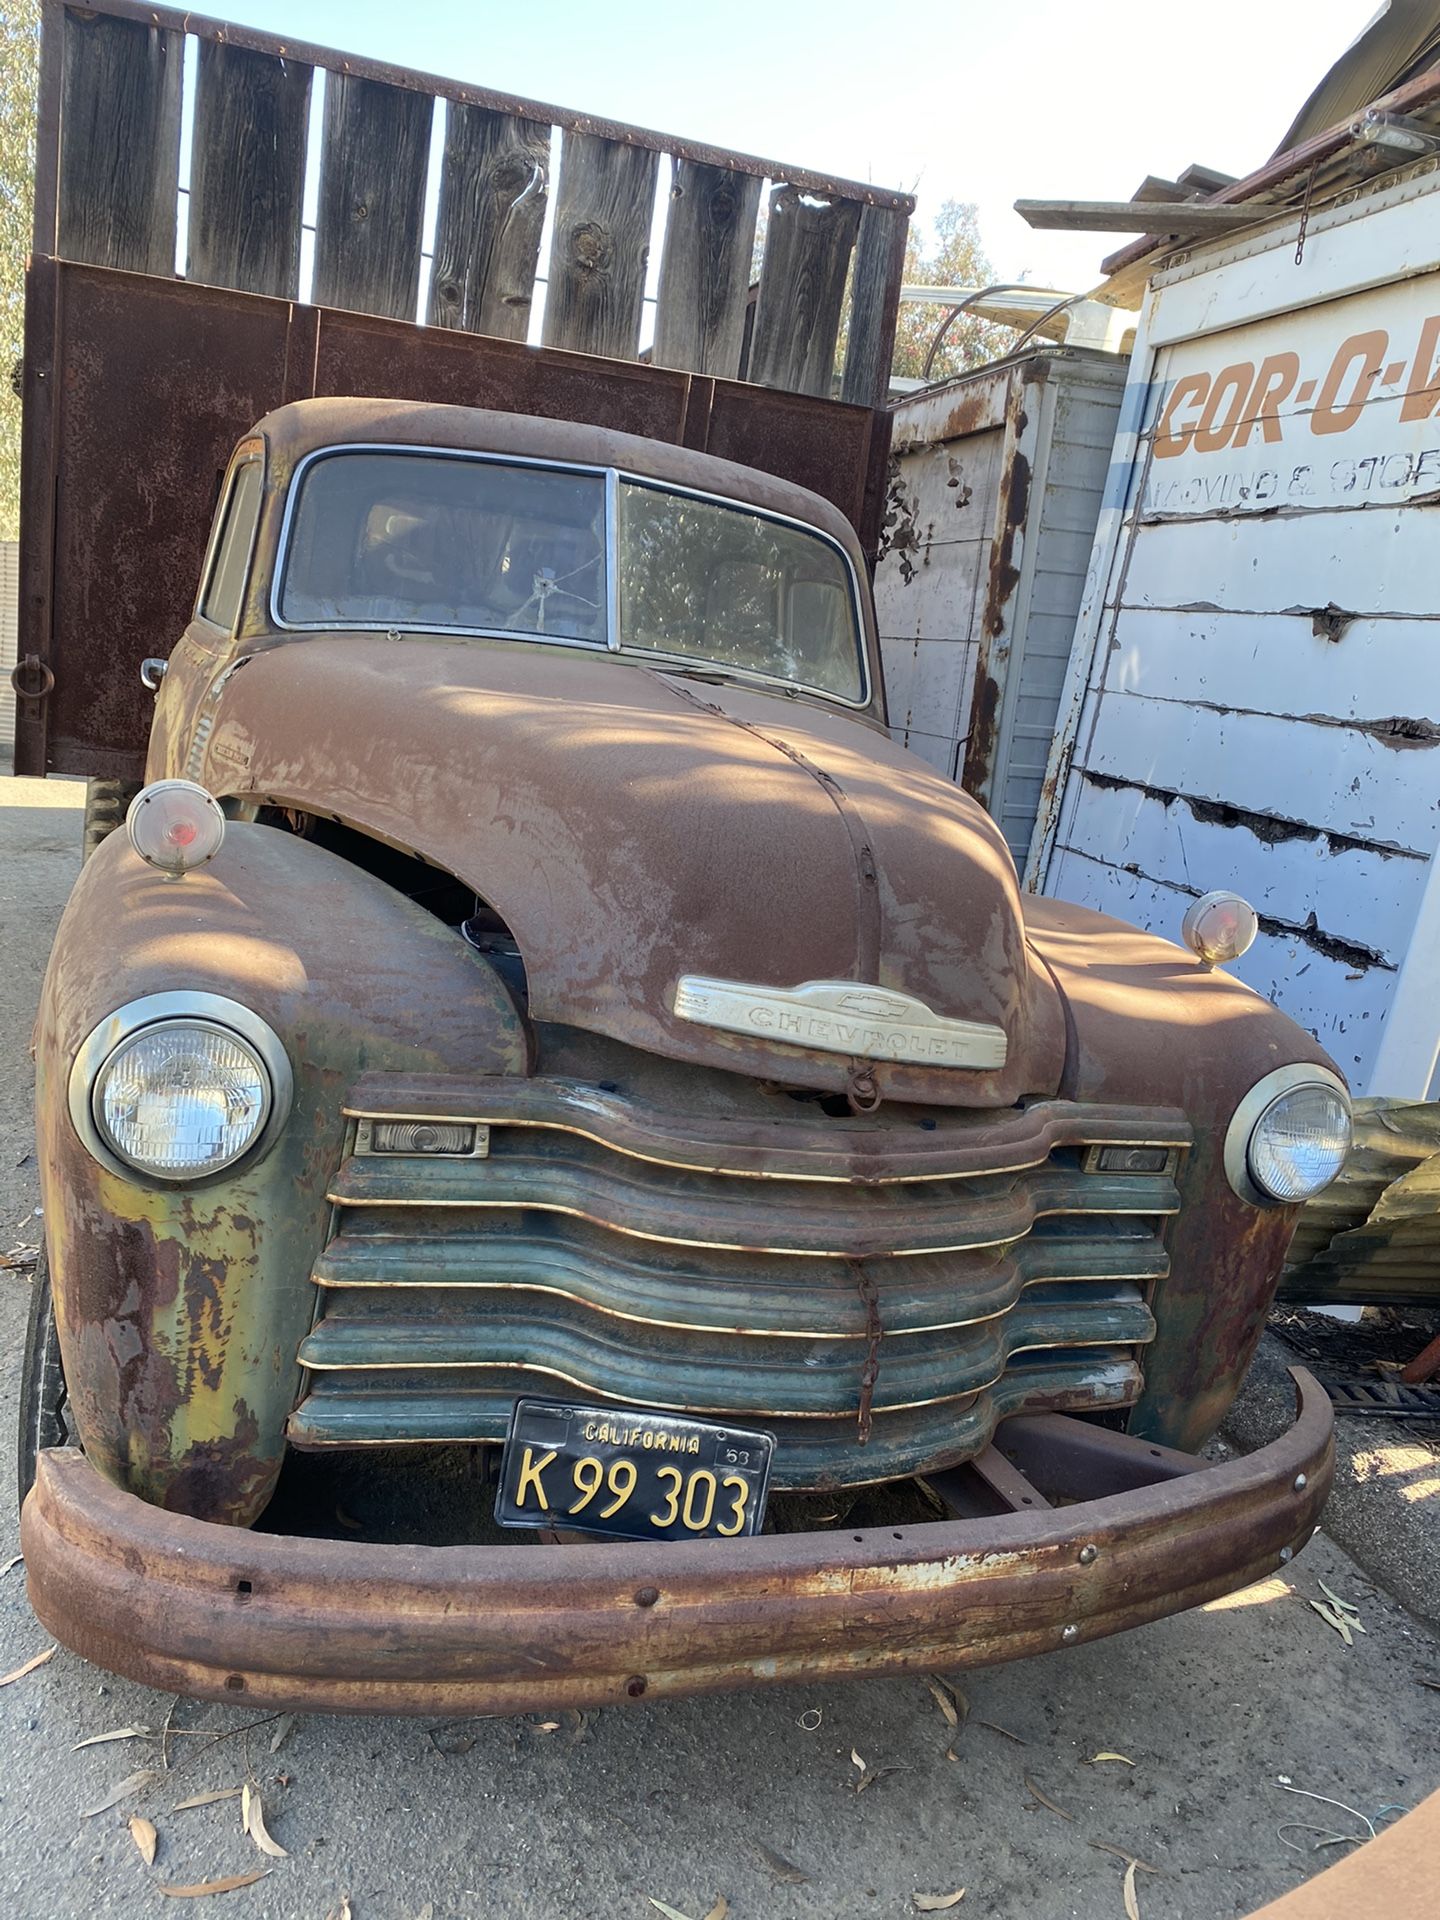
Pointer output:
x,y
345,1626
994,494
608,936
156,379
1255,696
180,1311
1374,1236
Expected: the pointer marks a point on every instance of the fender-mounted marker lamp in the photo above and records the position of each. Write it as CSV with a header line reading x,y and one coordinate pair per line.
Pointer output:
x,y
175,825
1219,927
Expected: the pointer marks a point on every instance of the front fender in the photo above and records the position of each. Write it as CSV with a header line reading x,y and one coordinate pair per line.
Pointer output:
x,y
180,1309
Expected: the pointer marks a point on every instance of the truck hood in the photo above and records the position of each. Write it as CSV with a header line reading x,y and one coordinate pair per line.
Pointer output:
x,y
647,835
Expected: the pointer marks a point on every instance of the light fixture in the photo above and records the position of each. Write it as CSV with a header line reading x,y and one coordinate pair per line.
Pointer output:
x,y
1219,926
175,825
1397,131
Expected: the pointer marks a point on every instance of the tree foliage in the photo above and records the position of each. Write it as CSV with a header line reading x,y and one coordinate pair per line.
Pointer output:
x,y
19,62
956,259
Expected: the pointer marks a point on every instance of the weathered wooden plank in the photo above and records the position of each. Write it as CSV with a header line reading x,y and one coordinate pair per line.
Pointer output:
x,y
596,288
493,187
874,303
247,170
705,269
119,143
372,196
802,288
1139,216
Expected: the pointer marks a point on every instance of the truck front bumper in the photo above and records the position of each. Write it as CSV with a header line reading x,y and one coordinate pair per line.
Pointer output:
x,y
340,1626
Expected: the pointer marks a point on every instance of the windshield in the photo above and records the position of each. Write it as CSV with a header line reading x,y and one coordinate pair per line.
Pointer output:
x,y
422,540
435,541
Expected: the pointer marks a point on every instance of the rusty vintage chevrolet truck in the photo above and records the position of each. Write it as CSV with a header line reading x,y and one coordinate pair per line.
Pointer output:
x,y
535,1012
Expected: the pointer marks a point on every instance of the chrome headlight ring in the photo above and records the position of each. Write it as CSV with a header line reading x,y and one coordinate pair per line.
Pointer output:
x,y
199,1011
1252,1111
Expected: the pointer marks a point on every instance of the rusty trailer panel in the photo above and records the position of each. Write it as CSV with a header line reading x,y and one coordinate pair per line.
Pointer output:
x,y
995,488
137,388
344,1626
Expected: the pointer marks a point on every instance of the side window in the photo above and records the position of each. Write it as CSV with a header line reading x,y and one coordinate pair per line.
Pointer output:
x,y
221,604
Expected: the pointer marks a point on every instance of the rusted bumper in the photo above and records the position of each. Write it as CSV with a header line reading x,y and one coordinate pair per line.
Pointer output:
x,y
225,1614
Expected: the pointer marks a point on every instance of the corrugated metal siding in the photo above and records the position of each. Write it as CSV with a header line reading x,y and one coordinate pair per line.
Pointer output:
x,y
1263,709
9,639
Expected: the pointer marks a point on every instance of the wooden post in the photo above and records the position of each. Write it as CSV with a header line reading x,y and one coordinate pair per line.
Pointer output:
x,y
802,289
493,188
705,269
119,143
372,196
596,292
247,170
874,304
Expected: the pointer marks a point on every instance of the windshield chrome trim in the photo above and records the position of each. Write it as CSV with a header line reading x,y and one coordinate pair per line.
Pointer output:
x,y
611,476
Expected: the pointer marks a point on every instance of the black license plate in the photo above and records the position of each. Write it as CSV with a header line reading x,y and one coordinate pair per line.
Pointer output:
x,y
632,1474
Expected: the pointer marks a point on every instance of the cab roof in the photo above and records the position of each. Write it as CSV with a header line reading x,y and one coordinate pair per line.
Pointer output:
x,y
306,426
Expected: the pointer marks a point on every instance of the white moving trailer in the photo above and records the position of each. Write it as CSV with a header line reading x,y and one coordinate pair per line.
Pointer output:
x,y
1254,694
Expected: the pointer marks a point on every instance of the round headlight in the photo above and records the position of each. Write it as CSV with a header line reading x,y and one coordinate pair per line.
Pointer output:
x,y
1300,1142
182,1098
1290,1136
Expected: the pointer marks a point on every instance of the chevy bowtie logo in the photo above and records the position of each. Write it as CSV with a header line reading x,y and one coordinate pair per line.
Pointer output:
x,y
873,1006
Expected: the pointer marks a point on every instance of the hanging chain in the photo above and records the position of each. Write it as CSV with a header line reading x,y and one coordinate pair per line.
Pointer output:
x,y
1305,216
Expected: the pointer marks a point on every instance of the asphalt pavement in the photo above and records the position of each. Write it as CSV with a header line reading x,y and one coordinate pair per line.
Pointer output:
x,y
1197,1746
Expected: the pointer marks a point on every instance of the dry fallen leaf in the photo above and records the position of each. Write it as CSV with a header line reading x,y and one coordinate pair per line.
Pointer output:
x,y
1338,1621
944,1702
720,1908
782,1868
202,1887
208,1799
548,1726
1104,1846
342,1912
282,1731
15,1560
132,1783
252,1821
116,1733
143,1833
663,1906
1044,1799
1132,1904
1123,1758
937,1902
30,1665
1005,1731
855,1760
1341,1606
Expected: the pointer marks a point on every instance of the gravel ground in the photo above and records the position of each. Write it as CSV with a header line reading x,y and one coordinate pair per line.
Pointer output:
x,y
1217,1712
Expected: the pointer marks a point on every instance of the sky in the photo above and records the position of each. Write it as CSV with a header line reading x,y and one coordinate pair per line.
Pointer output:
x,y
982,100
